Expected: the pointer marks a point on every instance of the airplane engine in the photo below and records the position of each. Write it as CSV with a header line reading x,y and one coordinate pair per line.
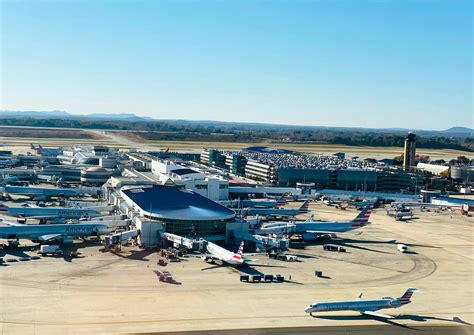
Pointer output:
x,y
68,239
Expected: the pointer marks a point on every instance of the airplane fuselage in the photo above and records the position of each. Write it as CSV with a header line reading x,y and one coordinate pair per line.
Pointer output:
x,y
34,232
45,213
357,305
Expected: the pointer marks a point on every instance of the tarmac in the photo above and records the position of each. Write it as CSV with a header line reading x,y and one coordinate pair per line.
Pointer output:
x,y
120,292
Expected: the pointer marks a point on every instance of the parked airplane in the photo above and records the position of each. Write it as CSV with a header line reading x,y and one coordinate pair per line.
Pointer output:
x,y
311,230
8,179
275,212
216,252
58,232
400,214
41,193
362,204
252,203
365,307
47,213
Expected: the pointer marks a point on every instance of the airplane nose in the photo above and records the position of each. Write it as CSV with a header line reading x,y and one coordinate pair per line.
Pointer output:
x,y
308,309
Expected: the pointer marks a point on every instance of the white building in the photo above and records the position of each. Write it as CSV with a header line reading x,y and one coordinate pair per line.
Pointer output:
x,y
210,186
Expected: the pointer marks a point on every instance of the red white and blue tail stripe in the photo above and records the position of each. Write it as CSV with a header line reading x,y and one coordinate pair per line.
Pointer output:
x,y
239,255
304,208
364,215
3,208
405,298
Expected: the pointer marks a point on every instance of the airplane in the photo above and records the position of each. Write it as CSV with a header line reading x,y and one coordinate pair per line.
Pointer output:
x,y
8,179
59,232
311,230
47,213
216,252
362,204
365,307
252,203
295,197
41,193
275,211
8,162
401,214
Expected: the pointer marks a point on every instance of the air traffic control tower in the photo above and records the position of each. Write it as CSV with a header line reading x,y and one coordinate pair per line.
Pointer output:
x,y
410,151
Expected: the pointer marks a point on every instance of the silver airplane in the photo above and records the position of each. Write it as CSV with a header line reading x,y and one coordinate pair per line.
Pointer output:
x,y
58,232
310,229
365,307
279,212
47,213
41,193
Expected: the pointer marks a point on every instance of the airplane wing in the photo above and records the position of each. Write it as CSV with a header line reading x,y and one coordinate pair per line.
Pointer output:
x,y
49,237
377,315
208,256
39,217
322,232
10,223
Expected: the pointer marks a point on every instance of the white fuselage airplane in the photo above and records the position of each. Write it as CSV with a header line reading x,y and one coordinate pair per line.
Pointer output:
x,y
365,307
47,213
41,193
401,214
59,232
310,229
280,212
216,252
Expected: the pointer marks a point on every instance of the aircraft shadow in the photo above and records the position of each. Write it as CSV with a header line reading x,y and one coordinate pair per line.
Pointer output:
x,y
359,317
17,252
424,318
136,255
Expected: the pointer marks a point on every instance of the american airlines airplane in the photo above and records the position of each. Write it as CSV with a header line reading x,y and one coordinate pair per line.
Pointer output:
x,y
59,232
281,212
47,213
252,203
310,229
365,307
400,214
41,193
216,252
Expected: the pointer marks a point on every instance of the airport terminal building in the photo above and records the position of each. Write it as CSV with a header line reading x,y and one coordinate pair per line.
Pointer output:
x,y
183,212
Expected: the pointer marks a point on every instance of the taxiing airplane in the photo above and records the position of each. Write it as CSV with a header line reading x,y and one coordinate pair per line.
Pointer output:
x,y
365,307
48,213
275,212
58,232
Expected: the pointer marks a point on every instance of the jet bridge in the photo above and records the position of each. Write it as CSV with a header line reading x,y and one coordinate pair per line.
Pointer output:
x,y
116,239
193,244
264,242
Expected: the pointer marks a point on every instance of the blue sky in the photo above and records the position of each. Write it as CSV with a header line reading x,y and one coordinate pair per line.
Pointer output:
x,y
331,63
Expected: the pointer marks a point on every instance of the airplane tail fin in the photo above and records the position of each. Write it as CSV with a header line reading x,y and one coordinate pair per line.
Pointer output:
x,y
3,208
281,201
241,249
405,298
304,207
364,215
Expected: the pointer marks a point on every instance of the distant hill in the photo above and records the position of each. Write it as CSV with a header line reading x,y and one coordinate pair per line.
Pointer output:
x,y
228,125
460,130
66,115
